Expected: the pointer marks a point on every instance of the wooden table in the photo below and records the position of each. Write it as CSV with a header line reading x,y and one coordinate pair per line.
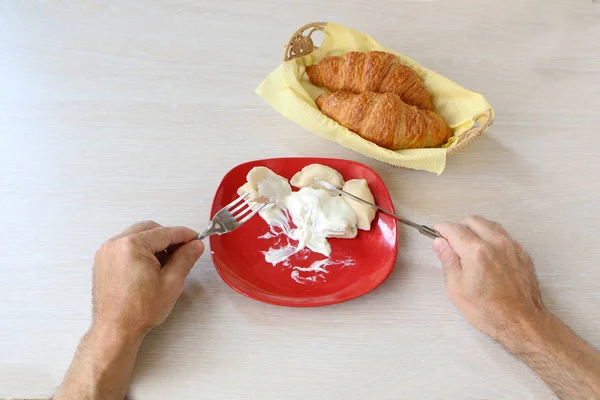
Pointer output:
x,y
113,114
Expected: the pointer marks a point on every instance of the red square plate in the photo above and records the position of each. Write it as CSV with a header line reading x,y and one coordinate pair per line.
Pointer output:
x,y
241,264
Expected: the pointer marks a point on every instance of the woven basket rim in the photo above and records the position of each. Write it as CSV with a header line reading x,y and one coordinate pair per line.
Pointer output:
x,y
301,44
482,122
295,47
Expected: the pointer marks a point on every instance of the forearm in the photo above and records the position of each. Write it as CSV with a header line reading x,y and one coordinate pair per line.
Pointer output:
x,y
565,362
101,367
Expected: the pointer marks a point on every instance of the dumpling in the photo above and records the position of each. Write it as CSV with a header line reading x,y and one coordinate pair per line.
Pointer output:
x,y
247,188
365,214
305,178
265,186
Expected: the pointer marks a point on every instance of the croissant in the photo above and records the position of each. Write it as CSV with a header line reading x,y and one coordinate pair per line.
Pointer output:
x,y
375,71
385,120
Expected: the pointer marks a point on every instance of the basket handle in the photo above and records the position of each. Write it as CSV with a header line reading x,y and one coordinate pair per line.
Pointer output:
x,y
300,44
483,122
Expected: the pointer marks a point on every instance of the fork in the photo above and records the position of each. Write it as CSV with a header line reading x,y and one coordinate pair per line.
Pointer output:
x,y
231,217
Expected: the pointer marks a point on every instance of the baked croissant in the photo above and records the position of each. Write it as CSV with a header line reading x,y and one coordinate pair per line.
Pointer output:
x,y
385,120
375,71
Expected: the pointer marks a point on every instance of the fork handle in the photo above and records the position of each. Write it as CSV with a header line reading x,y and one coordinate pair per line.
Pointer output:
x,y
211,230
204,235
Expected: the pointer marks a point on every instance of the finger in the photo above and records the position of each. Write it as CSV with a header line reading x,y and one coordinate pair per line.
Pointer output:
x,y
137,228
460,237
182,261
450,260
487,230
158,239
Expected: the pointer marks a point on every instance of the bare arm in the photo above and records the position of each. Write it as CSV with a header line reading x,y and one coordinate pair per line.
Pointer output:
x,y
101,367
491,280
131,295
566,362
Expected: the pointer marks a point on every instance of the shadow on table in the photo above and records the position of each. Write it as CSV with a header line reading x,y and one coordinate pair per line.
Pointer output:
x,y
488,157
176,331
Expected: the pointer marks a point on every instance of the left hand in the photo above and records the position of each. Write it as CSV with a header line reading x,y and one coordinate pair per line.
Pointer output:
x,y
131,292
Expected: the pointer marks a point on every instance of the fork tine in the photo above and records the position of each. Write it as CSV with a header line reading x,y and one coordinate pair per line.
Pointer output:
x,y
224,221
234,202
255,205
244,204
238,215
252,214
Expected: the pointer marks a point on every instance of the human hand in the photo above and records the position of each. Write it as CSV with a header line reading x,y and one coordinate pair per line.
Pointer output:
x,y
131,292
489,278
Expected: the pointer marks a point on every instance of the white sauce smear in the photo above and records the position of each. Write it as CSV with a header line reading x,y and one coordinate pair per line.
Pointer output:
x,y
317,214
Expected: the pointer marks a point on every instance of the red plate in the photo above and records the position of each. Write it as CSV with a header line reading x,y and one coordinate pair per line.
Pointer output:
x,y
239,259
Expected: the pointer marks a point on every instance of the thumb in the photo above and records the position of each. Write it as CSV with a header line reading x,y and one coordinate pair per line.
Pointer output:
x,y
183,259
449,259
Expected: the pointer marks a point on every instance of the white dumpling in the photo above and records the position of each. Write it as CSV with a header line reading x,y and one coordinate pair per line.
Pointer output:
x,y
265,186
305,178
247,188
364,213
257,174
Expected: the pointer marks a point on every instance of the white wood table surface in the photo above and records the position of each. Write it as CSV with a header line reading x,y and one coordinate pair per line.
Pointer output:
x,y
111,114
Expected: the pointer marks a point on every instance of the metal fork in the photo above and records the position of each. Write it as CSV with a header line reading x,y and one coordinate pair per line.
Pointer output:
x,y
231,217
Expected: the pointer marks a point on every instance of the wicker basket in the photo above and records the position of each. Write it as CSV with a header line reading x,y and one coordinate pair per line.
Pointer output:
x,y
301,44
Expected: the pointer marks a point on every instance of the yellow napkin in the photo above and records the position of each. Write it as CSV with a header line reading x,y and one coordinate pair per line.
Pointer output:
x,y
288,90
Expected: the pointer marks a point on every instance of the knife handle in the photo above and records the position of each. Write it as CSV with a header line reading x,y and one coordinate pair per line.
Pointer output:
x,y
429,232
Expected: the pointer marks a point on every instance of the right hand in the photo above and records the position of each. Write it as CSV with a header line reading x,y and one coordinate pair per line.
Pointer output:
x,y
489,278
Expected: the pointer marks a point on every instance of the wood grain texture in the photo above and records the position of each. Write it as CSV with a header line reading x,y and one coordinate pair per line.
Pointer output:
x,y
114,113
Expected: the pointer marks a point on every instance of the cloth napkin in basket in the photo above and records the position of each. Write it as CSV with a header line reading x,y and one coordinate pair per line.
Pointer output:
x,y
288,90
